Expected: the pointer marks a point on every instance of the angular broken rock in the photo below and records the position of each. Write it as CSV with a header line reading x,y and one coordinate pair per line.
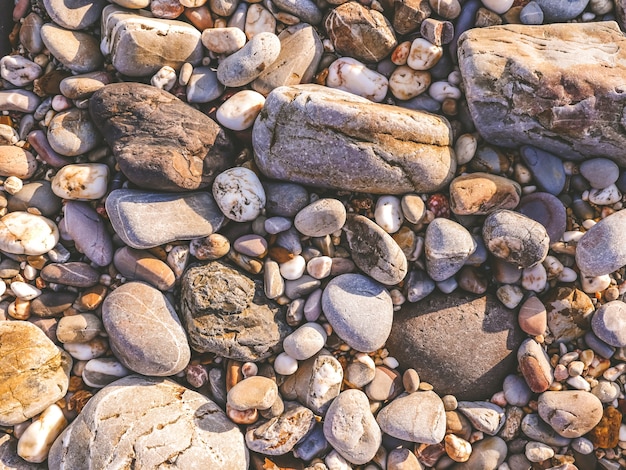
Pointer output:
x,y
533,82
159,141
226,313
367,147
146,422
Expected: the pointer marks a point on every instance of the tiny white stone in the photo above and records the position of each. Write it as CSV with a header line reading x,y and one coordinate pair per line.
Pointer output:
x,y
165,78
240,110
24,291
277,224
591,285
605,197
285,364
223,40
534,278
334,461
622,432
350,75
82,181
538,452
579,383
465,148
441,90
406,83
568,275
587,224
239,194
391,362
582,445
36,441
510,295
86,351
259,20
388,213
18,70
553,266
13,185
572,236
498,6
319,267
423,54
293,269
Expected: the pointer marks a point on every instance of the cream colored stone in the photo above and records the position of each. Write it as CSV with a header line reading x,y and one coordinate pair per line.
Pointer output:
x,y
22,233
423,54
239,111
82,181
35,443
259,20
164,79
223,40
406,83
350,75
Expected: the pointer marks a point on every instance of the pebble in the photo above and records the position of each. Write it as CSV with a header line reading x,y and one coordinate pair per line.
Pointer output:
x,y
417,417
139,265
359,444
285,364
36,441
487,454
28,234
83,181
320,267
88,231
556,11
599,251
509,295
251,245
609,323
531,14
406,83
78,51
537,429
532,317
423,54
239,194
605,197
538,452
102,371
254,392
75,15
535,278
360,311
516,391
78,328
571,413
320,218
203,86
600,172
498,6
243,66
547,169
350,75
386,385
547,210
24,291
223,40
402,459
535,366
30,33
485,416
305,342
19,100
482,193
447,245
83,86
18,70
15,161
239,111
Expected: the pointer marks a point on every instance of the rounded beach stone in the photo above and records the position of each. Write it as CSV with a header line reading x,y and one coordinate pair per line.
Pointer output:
x,y
72,133
247,63
74,273
83,86
571,413
256,392
569,313
18,70
447,245
351,429
22,233
546,168
239,111
321,218
487,454
417,417
83,181
29,383
442,336
140,265
609,323
88,231
37,194
74,14
15,161
284,199
360,311
305,342
239,194
515,238
532,317
223,40
560,11
78,51
546,209
79,328
600,172
602,249
152,414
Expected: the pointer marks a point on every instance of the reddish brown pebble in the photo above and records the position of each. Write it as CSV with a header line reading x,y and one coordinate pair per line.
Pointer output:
x,y
532,317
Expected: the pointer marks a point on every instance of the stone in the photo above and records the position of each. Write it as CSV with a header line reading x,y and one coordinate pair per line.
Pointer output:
x,y
280,434
306,341
417,417
516,391
406,83
145,219
386,385
52,304
239,111
571,413
29,382
239,194
321,218
74,14
18,70
23,233
481,193
609,323
102,371
37,194
72,133
78,328
600,172
374,251
485,416
139,265
504,84
515,238
88,231
534,364
316,383
360,311
23,101
77,51
601,249
256,392
9,459
536,429
82,181
203,86
351,429
245,65
446,357
306,10
547,169
606,433
152,414
350,75
227,313
569,313
408,15
359,32
30,33
532,317
487,454
15,161
556,11
347,134
300,54
546,209
284,199
223,40
83,86
447,246
74,273
140,45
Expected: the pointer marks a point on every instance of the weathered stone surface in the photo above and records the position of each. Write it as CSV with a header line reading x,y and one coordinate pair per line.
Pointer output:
x,y
159,141
371,147
569,313
515,78
606,432
227,313
409,14
140,45
461,344
152,423
602,249
481,193
34,373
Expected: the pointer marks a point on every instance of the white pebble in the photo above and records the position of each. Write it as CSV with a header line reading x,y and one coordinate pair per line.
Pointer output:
x,y
293,269
239,194
406,83
423,54
534,278
553,266
36,441
388,213
572,236
61,103
82,181
568,275
239,111
285,364
510,295
18,70
319,267
305,342
587,224
442,90
591,285
86,351
103,368
13,185
579,383
391,362
582,445
350,75
605,197
165,78
622,432
538,452
24,291
277,224
498,6
465,148
259,20
223,40
28,234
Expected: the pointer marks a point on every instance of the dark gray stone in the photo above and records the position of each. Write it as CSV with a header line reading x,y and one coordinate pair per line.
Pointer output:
x,y
37,194
447,246
546,209
547,170
52,304
88,231
284,199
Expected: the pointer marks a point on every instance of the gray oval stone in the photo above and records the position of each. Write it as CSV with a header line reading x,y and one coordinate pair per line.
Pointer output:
x,y
75,273
515,238
150,414
374,251
79,52
247,63
360,311
538,430
284,199
159,347
306,10
447,246
321,218
600,172
571,413
74,14
561,10
88,231
602,249
609,323
37,194
72,133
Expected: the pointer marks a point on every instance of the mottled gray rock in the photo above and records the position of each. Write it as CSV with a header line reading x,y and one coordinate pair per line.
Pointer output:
x,y
461,344
538,430
280,434
487,454
37,194
416,417
88,231
77,51
247,63
300,53
356,31
321,217
514,75
547,169
571,413
75,273
159,347
609,323
447,245
159,141
152,423
374,251
140,45
145,219
351,429
74,14
370,147
227,313
515,238
284,199
360,311
31,382
602,249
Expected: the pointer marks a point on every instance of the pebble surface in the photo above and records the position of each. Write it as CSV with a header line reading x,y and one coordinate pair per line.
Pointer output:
x,y
328,235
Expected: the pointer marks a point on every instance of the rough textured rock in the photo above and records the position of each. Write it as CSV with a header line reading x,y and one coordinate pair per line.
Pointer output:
x,y
159,141
461,344
149,423
32,381
481,193
409,14
533,81
371,147
569,313
227,313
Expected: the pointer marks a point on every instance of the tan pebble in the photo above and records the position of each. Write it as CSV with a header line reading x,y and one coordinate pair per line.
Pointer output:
x,y
401,53
449,402
319,267
242,417
213,247
19,309
200,17
234,373
223,40
411,380
413,208
458,449
532,317
239,111
251,245
406,83
79,328
36,441
402,459
256,392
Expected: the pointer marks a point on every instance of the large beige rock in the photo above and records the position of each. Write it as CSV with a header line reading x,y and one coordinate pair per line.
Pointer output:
x,y
34,373
559,87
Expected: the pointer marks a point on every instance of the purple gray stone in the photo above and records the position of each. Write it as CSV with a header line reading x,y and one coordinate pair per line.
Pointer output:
x,y
88,231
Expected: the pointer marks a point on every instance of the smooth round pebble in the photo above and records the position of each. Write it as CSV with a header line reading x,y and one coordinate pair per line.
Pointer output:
x,y
248,63
388,213
251,245
239,111
72,133
413,208
319,267
600,172
321,218
239,194
102,371
82,181
305,342
609,323
293,269
223,40
256,392
348,74
22,233
285,364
